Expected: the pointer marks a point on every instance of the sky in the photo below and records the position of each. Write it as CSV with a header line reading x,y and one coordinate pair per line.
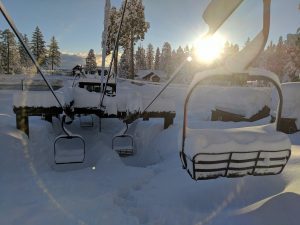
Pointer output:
x,y
78,24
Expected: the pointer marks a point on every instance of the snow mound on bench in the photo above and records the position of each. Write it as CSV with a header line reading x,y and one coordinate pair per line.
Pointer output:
x,y
245,139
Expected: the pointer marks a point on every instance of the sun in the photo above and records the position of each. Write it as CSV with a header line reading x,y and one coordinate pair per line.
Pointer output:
x,y
209,48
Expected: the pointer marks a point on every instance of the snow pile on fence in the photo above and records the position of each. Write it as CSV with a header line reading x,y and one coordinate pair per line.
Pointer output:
x,y
37,99
291,102
130,97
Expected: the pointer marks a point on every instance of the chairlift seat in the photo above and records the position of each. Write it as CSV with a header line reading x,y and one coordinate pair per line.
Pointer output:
x,y
258,150
86,121
123,145
69,149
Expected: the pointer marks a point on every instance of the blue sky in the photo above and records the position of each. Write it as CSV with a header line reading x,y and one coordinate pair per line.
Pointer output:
x,y
77,24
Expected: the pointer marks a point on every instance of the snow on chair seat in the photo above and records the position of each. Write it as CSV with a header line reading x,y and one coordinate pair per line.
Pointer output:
x,y
123,145
69,149
213,153
236,152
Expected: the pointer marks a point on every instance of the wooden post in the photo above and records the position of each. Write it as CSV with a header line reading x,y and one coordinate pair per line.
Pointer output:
x,y
145,118
22,84
168,121
48,117
22,121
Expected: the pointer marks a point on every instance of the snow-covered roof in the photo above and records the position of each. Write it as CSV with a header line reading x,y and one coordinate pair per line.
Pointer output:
x,y
143,73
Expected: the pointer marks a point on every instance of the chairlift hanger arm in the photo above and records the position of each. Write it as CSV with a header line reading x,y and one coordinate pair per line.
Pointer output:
x,y
217,12
116,46
265,29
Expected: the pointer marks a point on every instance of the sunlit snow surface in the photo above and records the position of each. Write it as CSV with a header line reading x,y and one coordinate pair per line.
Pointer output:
x,y
149,188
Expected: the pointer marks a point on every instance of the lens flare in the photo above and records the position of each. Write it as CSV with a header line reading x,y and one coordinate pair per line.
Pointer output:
x,y
209,48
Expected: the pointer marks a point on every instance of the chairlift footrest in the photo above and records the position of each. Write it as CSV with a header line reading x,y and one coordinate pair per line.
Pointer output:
x,y
124,152
204,166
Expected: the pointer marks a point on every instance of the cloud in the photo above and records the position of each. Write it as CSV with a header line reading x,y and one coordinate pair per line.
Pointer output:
x,y
69,59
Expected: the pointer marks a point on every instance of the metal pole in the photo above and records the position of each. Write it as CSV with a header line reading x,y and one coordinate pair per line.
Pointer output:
x,y
104,39
116,45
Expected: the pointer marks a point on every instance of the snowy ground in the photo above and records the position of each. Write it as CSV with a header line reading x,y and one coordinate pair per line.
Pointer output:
x,y
149,188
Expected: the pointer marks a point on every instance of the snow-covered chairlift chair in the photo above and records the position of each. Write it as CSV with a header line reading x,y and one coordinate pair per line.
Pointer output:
x,y
123,144
68,148
213,153
85,122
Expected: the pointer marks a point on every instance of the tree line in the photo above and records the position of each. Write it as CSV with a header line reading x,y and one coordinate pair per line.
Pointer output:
x,y
15,60
281,58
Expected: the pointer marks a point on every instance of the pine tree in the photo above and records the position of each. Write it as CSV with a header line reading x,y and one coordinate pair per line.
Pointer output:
x,y
140,58
25,60
124,65
187,51
113,26
157,60
1,58
180,55
9,53
38,47
54,55
278,58
134,29
91,64
150,57
166,57
247,41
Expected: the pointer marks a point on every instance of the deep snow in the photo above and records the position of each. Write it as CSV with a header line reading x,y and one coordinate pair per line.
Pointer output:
x,y
148,188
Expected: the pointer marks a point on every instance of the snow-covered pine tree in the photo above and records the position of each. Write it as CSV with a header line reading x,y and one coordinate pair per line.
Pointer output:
x,y
157,60
1,59
174,60
230,49
140,58
134,29
166,58
292,68
38,47
187,51
150,57
54,55
278,58
112,31
9,54
25,60
180,54
91,64
124,65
